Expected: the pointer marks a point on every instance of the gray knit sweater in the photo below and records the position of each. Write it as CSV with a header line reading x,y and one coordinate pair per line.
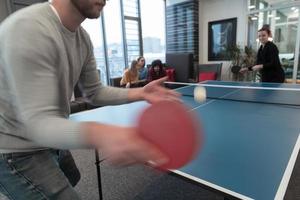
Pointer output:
x,y
40,63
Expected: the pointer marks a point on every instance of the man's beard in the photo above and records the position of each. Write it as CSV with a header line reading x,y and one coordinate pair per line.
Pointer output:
x,y
85,9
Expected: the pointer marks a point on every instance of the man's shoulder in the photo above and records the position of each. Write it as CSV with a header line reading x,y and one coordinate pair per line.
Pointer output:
x,y
85,36
30,28
37,15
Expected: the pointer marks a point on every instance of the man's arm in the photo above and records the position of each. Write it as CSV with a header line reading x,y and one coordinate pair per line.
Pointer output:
x,y
102,95
93,89
29,55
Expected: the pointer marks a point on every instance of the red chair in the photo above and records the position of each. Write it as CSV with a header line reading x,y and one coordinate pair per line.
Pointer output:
x,y
171,74
211,71
206,76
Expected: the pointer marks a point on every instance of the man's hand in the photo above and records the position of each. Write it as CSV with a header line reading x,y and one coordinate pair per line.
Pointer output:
x,y
257,67
127,85
122,145
243,70
153,92
254,68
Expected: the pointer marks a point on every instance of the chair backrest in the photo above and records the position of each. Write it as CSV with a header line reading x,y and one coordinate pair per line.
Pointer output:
x,y
171,74
115,81
183,64
216,67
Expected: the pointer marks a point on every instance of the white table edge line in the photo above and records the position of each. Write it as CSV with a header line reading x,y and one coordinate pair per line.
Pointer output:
x,y
211,101
288,172
217,187
235,86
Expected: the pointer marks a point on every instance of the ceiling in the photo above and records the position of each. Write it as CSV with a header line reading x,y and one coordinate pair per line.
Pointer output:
x,y
290,12
272,2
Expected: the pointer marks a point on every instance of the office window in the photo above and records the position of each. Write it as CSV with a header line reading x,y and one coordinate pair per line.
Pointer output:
x,y
153,30
262,4
94,28
132,28
132,39
131,8
120,38
114,38
258,4
283,23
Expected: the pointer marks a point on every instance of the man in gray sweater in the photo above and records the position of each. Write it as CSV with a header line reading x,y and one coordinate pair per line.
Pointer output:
x,y
44,52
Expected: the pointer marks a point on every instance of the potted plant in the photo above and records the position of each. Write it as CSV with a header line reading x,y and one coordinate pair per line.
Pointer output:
x,y
234,53
241,58
249,59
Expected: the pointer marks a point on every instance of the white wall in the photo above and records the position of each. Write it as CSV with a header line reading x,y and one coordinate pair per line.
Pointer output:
x,y
213,10
3,10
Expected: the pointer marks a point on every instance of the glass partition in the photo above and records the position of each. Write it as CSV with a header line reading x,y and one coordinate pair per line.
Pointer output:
x,y
94,28
283,23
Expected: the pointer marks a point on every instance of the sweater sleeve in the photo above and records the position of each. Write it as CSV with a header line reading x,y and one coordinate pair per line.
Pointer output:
x,y
258,60
93,89
271,55
29,55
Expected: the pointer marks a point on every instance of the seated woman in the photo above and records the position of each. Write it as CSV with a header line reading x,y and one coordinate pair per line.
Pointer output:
x,y
131,75
143,71
156,71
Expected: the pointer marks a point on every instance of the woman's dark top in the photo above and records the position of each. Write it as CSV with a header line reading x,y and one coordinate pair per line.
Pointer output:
x,y
152,75
269,58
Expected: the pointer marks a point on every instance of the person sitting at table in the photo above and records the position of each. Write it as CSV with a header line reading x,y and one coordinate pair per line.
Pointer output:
x,y
156,71
143,71
131,75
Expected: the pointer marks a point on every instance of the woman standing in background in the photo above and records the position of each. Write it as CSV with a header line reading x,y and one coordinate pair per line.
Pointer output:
x,y
267,60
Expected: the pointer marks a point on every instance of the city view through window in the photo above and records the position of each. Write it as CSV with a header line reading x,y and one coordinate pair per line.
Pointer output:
x,y
108,38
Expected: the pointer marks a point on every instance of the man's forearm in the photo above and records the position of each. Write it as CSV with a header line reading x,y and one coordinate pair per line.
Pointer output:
x,y
95,133
136,94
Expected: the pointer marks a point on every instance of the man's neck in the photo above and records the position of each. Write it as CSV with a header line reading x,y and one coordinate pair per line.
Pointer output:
x,y
70,17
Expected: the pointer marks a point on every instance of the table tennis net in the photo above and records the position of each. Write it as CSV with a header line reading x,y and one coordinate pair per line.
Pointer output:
x,y
252,94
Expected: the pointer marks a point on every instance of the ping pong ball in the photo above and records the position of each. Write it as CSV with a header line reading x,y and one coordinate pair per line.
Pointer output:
x,y
199,94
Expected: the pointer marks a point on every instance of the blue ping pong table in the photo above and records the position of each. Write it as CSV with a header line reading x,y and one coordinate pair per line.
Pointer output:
x,y
251,136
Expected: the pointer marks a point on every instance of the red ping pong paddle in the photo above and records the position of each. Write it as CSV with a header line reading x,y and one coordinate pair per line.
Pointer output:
x,y
172,129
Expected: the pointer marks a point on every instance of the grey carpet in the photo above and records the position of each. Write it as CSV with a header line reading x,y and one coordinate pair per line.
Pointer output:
x,y
169,187
118,183
143,183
